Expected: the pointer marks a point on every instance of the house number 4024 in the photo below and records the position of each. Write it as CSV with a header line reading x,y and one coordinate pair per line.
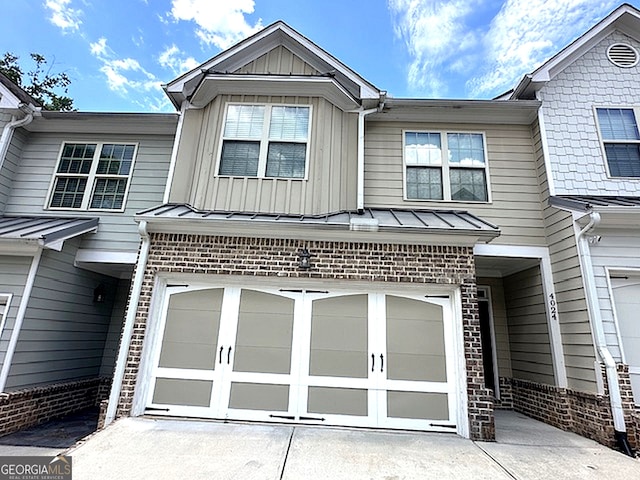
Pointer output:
x,y
553,307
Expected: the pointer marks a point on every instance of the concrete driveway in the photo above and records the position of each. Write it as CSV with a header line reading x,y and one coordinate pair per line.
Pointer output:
x,y
145,448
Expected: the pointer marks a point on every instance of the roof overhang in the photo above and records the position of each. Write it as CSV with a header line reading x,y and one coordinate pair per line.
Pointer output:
x,y
276,34
327,87
377,226
625,19
615,212
25,235
505,112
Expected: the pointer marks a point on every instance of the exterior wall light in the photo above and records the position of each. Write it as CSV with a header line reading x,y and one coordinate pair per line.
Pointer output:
x,y
99,294
304,259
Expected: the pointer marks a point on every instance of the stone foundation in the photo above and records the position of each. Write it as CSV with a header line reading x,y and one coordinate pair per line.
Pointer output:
x,y
32,406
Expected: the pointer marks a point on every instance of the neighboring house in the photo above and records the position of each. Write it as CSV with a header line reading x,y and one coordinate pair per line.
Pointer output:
x,y
329,255
590,95
70,184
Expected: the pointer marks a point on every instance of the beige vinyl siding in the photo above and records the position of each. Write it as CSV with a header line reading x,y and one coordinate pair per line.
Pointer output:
x,y
332,168
63,333
121,295
619,250
13,277
528,331
515,205
281,61
10,165
579,353
500,324
117,231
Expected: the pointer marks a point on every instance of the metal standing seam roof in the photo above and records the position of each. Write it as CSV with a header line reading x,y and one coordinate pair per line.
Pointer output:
x,y
371,218
587,202
48,230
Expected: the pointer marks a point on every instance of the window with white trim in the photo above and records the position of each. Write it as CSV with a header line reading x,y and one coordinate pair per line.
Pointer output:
x,y
92,176
460,174
621,140
5,300
265,141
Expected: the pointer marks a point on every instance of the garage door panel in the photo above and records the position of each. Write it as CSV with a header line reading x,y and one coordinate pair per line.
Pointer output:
x,y
173,391
429,368
256,396
337,401
270,329
413,336
187,355
262,359
417,405
332,363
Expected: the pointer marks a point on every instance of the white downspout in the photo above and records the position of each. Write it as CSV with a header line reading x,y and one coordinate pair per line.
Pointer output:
x,y
7,133
596,322
130,318
17,325
360,187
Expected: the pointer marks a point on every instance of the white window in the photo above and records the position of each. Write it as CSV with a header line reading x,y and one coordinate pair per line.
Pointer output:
x,y
5,301
92,176
621,140
460,174
265,141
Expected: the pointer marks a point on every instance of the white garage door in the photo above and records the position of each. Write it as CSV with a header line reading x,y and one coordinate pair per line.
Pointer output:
x,y
626,295
340,358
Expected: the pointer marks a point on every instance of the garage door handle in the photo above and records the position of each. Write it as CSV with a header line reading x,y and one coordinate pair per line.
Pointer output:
x,y
220,359
381,362
373,362
229,356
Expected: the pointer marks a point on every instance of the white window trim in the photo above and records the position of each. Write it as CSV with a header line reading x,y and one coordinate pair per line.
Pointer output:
x,y
91,177
446,183
264,141
636,113
7,297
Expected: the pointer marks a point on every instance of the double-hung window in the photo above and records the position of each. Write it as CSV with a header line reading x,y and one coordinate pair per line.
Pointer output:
x,y
445,166
621,140
265,141
92,176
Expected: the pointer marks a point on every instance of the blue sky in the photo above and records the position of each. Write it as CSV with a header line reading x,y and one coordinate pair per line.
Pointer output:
x,y
118,53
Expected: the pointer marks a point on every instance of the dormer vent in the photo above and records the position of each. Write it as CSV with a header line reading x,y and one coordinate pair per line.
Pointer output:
x,y
622,55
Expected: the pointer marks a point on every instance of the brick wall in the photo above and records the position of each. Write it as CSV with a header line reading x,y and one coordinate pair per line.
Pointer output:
x,y
217,255
584,413
25,408
506,394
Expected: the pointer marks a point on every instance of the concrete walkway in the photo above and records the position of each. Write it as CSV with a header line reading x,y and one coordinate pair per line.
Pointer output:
x,y
146,448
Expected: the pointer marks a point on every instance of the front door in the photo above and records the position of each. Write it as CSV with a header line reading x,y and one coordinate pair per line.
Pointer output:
x,y
339,358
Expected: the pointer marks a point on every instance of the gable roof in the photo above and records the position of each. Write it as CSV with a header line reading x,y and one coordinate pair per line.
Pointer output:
x,y
333,71
11,95
625,19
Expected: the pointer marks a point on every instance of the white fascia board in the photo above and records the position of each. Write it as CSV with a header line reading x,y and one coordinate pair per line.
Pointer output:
x,y
85,255
19,247
326,87
335,232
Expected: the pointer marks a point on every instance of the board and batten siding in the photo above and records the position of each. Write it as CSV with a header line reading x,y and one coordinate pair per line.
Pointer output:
x,y
279,60
579,351
10,166
116,231
528,330
500,324
63,333
332,166
619,250
515,205
13,277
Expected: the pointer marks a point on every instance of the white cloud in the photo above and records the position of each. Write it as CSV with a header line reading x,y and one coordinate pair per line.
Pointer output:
x,y
434,33
173,58
63,16
517,43
99,48
219,22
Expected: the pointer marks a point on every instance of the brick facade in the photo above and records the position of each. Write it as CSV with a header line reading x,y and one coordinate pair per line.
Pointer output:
x,y
350,261
586,414
32,406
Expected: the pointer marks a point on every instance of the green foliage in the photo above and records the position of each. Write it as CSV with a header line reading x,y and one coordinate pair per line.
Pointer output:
x,y
39,82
